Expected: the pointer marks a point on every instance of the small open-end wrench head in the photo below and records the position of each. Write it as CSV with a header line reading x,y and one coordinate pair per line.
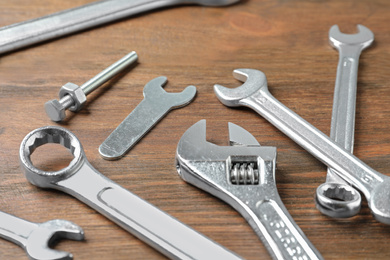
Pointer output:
x,y
362,39
338,200
44,135
254,80
47,234
154,89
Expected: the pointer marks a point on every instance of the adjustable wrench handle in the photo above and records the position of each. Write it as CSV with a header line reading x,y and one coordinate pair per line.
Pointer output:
x,y
148,223
280,234
15,229
30,32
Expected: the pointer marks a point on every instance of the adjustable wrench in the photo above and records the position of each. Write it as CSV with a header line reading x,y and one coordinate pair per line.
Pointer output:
x,y
143,220
243,175
254,94
35,238
335,197
30,32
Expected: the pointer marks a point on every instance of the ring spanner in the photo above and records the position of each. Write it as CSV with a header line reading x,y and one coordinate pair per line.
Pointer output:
x,y
254,94
79,179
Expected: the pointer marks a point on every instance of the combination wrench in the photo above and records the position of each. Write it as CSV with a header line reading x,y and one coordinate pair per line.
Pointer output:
x,y
35,238
79,179
335,197
30,32
243,175
254,94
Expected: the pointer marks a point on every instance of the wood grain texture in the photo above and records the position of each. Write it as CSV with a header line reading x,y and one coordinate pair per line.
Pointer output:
x,y
192,45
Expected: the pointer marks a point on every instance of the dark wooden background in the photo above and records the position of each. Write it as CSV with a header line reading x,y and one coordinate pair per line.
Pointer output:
x,y
193,45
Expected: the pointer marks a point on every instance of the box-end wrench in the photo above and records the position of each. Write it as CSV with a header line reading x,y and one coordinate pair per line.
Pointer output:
x,y
79,179
30,32
243,175
35,238
155,105
335,197
254,94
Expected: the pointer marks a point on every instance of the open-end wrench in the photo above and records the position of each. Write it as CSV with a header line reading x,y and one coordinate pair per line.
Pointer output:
x,y
35,238
335,197
81,180
155,105
26,33
254,94
243,175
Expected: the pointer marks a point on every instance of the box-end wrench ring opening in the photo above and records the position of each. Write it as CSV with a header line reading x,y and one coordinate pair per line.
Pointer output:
x,y
42,136
338,200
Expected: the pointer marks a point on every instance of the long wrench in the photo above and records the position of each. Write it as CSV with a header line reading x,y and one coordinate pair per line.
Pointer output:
x,y
79,179
30,32
335,197
35,238
254,94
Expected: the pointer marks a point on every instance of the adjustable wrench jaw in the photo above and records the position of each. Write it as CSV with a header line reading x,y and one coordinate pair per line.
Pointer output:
x,y
236,173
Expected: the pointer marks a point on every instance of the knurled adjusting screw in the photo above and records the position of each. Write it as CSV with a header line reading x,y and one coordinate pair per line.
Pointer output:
x,y
73,97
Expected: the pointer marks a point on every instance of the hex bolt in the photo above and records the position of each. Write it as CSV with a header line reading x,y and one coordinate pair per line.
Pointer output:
x,y
73,97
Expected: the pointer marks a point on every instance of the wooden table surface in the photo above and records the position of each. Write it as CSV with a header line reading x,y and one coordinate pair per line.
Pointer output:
x,y
193,45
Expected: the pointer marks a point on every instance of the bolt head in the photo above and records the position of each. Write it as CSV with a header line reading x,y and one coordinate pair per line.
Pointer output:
x,y
77,94
55,110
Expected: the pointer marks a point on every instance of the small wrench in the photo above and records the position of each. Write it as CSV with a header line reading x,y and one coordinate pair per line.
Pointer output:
x,y
335,197
35,238
254,94
156,104
30,32
243,175
79,179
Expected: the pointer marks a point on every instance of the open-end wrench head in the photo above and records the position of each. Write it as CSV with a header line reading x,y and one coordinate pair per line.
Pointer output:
x,y
154,89
39,241
254,80
44,135
363,38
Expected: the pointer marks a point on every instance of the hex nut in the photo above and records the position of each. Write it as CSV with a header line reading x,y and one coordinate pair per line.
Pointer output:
x,y
55,110
76,93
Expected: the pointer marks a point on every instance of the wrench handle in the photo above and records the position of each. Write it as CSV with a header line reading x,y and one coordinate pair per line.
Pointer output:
x,y
55,25
280,234
153,226
15,229
314,141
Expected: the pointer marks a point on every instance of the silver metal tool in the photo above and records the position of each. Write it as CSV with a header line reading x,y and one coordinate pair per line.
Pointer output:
x,y
73,97
30,32
254,94
156,104
243,175
79,179
335,197
35,238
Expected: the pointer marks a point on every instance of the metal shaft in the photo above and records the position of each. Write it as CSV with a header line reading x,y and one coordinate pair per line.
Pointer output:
x,y
108,73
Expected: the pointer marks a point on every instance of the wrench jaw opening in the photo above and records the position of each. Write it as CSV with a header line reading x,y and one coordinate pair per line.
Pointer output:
x,y
254,81
44,135
361,40
50,232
